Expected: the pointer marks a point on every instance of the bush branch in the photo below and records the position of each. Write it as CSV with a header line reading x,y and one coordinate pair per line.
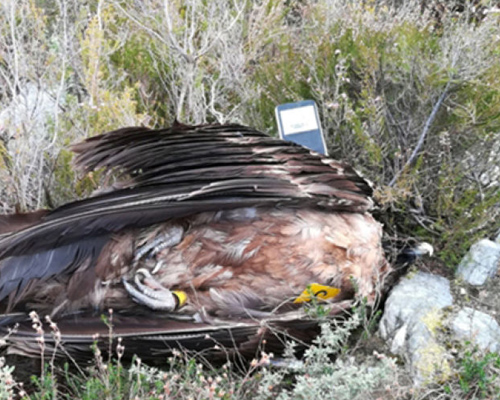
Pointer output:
x,y
426,129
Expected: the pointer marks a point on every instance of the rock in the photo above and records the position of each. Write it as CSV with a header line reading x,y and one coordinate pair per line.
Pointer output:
x,y
412,298
480,263
411,320
478,328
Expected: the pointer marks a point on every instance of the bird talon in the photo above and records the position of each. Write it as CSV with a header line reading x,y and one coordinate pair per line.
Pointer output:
x,y
157,267
151,293
166,240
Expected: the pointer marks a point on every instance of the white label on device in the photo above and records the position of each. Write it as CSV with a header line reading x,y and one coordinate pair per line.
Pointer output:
x,y
300,119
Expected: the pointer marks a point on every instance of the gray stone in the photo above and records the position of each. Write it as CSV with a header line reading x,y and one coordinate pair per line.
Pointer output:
x,y
480,263
412,317
477,327
413,297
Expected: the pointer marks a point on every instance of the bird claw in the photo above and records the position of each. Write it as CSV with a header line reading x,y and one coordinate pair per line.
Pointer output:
x,y
157,267
169,239
151,293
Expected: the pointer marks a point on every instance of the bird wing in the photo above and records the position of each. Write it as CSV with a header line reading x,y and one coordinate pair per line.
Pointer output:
x,y
152,339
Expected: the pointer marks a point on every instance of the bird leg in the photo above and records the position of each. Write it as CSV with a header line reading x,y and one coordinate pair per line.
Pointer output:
x,y
171,238
151,293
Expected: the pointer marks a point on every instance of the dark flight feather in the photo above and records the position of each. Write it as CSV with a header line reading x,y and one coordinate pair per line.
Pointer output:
x,y
154,339
17,272
172,190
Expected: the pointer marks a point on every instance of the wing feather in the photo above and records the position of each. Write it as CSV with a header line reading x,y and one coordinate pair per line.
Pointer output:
x,y
154,338
17,272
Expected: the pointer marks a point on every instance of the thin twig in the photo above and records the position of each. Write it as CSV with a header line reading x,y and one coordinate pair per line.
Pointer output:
x,y
425,131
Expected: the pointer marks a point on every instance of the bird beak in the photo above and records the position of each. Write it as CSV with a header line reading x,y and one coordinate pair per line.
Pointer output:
x,y
423,249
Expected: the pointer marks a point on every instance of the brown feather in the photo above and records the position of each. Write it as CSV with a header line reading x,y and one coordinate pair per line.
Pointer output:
x,y
20,221
82,282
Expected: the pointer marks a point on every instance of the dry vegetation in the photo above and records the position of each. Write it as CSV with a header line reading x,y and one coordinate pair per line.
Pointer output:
x,y
408,92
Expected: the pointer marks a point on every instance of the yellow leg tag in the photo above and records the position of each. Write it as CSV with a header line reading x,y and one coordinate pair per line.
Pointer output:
x,y
319,291
181,297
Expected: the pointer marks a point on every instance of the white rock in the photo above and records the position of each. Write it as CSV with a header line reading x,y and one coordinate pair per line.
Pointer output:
x,y
480,263
411,319
413,297
477,327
